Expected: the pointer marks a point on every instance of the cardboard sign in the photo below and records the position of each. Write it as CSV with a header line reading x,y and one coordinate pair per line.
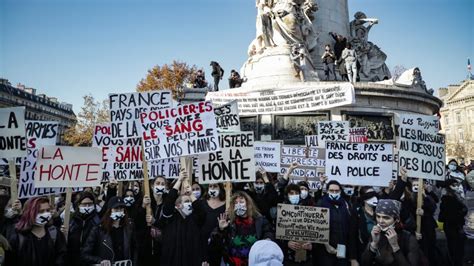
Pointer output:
x,y
311,141
358,135
185,130
421,150
125,110
302,223
332,131
38,133
309,159
235,162
359,164
227,116
309,97
12,132
267,155
121,158
63,166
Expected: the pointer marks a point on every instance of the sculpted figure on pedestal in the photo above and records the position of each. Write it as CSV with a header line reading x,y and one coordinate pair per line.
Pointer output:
x,y
371,57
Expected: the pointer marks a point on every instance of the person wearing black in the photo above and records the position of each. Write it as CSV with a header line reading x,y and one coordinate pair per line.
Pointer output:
x,y
11,216
389,243
181,221
217,73
305,197
328,60
452,213
339,249
339,46
214,206
35,242
85,219
113,240
264,194
235,81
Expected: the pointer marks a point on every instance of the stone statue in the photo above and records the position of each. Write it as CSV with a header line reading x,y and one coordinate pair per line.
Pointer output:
x,y
285,27
371,57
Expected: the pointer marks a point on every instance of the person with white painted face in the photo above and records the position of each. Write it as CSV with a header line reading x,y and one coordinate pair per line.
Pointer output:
x,y
339,250
452,212
181,220
84,220
389,243
35,241
291,248
113,240
214,206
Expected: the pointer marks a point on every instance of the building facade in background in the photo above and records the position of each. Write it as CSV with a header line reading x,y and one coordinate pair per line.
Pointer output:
x,y
38,106
457,120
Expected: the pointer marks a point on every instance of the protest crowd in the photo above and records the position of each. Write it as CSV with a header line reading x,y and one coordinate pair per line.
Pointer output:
x,y
234,208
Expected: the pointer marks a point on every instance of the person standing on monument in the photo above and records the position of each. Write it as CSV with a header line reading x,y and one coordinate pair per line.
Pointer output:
x,y
350,57
217,73
328,59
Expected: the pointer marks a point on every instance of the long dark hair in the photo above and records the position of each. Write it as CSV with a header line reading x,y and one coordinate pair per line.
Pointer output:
x,y
106,222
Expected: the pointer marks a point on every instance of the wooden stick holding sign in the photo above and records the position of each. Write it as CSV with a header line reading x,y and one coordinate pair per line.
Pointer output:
x,y
419,204
228,194
186,163
13,180
146,182
67,211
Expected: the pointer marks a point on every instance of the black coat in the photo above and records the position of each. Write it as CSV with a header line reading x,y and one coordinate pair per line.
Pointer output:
x,y
99,246
266,200
452,211
79,230
24,252
181,235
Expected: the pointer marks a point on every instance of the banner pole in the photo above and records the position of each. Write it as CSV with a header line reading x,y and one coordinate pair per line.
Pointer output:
x,y
67,211
146,181
419,204
13,180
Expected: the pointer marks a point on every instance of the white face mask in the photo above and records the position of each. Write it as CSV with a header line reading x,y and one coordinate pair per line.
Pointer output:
x,y
159,190
452,167
42,218
334,196
372,201
414,188
213,193
129,201
98,208
304,194
187,208
136,190
117,215
9,212
240,209
259,187
197,194
349,191
386,228
86,210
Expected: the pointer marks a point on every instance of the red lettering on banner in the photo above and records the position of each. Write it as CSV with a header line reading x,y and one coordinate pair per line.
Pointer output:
x,y
195,125
90,171
128,154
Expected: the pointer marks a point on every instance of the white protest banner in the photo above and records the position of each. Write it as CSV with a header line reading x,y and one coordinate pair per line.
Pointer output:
x,y
302,223
121,158
332,131
227,116
311,140
234,162
12,132
38,133
359,164
308,159
309,97
125,110
174,132
64,166
267,155
358,135
421,150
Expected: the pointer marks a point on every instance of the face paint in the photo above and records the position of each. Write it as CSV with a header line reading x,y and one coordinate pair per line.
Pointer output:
x,y
129,201
42,218
372,201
